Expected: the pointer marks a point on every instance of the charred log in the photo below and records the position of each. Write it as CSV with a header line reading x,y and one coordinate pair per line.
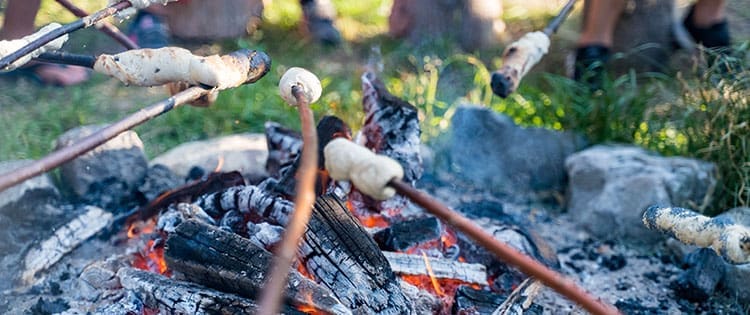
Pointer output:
x,y
178,297
284,146
329,128
391,126
249,200
63,241
188,192
442,268
401,236
339,253
472,301
225,261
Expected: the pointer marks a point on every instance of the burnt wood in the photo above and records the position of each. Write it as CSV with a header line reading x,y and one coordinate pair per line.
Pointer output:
x,y
340,254
442,268
64,239
179,297
225,261
472,301
251,200
401,236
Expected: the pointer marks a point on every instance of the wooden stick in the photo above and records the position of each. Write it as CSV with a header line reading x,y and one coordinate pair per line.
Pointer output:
x,y
286,252
105,27
506,253
65,29
63,155
66,58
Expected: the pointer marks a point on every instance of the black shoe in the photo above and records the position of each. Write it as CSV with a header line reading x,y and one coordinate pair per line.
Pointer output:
x,y
319,16
715,38
590,65
148,30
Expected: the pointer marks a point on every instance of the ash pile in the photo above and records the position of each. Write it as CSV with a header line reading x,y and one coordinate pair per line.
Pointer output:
x,y
193,230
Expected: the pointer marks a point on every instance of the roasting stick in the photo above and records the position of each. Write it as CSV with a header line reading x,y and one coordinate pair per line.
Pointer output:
x,y
255,66
380,177
524,54
300,88
105,27
61,31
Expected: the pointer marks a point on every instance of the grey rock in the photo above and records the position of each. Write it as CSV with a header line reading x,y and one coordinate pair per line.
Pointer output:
x,y
246,153
491,151
699,281
736,282
737,277
158,179
611,185
108,175
36,189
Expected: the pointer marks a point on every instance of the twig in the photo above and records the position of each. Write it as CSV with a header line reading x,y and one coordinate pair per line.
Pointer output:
x,y
65,29
105,27
303,202
508,254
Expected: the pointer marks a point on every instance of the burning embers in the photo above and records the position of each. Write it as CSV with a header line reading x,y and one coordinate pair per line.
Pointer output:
x,y
354,247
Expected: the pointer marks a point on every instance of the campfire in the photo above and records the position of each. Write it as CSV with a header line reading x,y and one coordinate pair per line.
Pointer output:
x,y
358,254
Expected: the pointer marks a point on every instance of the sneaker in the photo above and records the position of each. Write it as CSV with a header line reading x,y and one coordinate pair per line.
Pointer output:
x,y
148,30
715,39
590,65
319,16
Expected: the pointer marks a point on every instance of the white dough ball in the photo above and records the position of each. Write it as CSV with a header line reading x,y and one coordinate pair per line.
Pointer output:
x,y
306,79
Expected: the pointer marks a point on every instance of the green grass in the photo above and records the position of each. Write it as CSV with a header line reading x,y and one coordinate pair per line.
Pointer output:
x,y
701,114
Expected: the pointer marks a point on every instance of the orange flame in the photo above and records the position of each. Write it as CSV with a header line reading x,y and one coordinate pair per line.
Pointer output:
x,y
433,279
151,256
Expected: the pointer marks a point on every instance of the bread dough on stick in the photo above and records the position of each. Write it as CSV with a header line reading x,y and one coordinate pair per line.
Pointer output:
x,y
150,67
8,47
369,172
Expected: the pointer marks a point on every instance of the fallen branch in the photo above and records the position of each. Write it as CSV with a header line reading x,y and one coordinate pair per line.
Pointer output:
x,y
305,89
256,67
729,239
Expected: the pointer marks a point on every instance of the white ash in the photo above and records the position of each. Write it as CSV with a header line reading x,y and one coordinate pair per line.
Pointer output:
x,y
8,47
169,220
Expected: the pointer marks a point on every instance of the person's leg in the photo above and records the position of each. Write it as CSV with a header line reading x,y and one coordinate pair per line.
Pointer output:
x,y
19,22
596,39
709,12
19,18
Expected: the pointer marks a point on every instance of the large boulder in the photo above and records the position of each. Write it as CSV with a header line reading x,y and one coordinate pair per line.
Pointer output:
x,y
246,153
611,185
31,190
107,175
492,152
